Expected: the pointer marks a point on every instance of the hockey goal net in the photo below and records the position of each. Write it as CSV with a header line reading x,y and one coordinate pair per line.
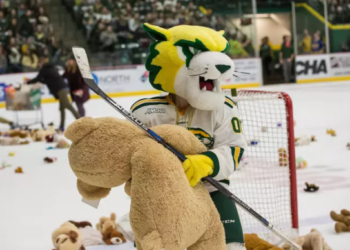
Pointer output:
x,y
266,176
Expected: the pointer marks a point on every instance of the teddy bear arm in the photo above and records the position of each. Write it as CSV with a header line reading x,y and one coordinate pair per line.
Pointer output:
x,y
91,192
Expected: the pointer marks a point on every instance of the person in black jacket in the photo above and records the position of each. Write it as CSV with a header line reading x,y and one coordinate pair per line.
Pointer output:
x,y
50,76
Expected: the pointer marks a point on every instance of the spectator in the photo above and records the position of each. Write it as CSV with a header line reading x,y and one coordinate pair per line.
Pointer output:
x,y
13,14
220,24
49,75
79,91
134,23
13,26
89,25
340,16
3,21
26,28
44,57
265,54
109,4
3,61
14,57
108,39
39,34
317,46
21,10
286,58
42,16
98,7
247,45
236,49
29,61
306,43
122,30
95,36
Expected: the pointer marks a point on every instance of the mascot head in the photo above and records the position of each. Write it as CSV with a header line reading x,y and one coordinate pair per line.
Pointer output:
x,y
189,61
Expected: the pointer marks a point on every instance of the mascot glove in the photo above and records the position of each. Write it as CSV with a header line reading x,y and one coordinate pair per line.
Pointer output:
x,y
197,167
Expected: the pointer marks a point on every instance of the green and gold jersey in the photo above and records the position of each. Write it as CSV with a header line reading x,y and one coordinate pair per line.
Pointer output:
x,y
219,130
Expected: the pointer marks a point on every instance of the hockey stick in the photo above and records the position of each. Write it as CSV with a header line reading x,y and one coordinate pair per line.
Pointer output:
x,y
83,64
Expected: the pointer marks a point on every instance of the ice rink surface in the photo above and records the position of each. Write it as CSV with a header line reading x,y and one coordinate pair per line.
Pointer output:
x,y
35,203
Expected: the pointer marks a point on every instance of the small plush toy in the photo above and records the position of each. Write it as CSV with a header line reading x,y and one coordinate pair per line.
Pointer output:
x,y
19,170
348,145
50,159
303,140
253,242
160,218
5,165
342,218
311,188
18,133
331,132
67,237
106,222
300,163
283,157
312,241
62,143
91,236
313,138
340,227
9,141
12,154
112,236
264,129
51,138
108,228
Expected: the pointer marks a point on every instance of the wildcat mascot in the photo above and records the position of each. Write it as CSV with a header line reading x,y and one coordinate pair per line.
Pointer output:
x,y
189,63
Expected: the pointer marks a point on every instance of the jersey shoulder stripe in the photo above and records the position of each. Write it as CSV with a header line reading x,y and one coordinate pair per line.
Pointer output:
x,y
229,102
149,101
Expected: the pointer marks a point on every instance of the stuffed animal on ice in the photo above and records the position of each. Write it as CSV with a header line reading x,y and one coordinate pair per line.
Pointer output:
x,y
253,242
108,228
166,212
342,219
67,237
312,241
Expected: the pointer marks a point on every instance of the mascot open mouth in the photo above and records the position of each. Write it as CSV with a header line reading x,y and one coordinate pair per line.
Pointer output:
x,y
206,85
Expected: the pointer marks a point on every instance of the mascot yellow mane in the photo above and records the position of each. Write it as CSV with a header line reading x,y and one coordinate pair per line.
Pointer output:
x,y
189,61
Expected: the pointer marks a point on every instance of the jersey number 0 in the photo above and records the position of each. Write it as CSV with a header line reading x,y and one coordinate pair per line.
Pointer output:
x,y
236,125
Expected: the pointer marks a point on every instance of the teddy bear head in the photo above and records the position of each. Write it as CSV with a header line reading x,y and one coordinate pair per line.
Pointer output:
x,y
67,237
112,236
102,149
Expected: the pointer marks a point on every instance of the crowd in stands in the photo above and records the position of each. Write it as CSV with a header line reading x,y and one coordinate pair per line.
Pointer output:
x,y
27,39
339,11
110,22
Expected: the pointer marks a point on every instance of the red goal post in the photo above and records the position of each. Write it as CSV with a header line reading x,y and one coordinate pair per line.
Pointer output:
x,y
266,177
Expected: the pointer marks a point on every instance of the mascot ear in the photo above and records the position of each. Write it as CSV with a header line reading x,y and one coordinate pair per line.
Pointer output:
x,y
222,32
157,33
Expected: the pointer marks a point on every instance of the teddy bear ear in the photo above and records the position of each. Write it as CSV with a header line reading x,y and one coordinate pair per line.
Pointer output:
x,y
80,128
90,192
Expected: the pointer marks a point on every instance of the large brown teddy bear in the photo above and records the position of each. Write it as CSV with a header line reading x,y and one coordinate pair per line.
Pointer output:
x,y
166,213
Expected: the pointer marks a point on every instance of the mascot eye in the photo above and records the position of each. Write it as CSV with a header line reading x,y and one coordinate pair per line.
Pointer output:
x,y
194,50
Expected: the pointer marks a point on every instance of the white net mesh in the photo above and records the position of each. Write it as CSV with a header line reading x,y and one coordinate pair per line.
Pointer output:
x,y
263,178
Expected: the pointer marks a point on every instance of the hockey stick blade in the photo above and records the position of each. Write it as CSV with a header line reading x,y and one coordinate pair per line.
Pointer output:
x,y
83,65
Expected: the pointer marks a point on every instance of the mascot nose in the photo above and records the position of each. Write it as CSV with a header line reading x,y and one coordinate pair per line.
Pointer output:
x,y
222,68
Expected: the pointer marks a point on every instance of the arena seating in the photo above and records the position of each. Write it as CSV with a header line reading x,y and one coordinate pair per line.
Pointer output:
x,y
26,37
